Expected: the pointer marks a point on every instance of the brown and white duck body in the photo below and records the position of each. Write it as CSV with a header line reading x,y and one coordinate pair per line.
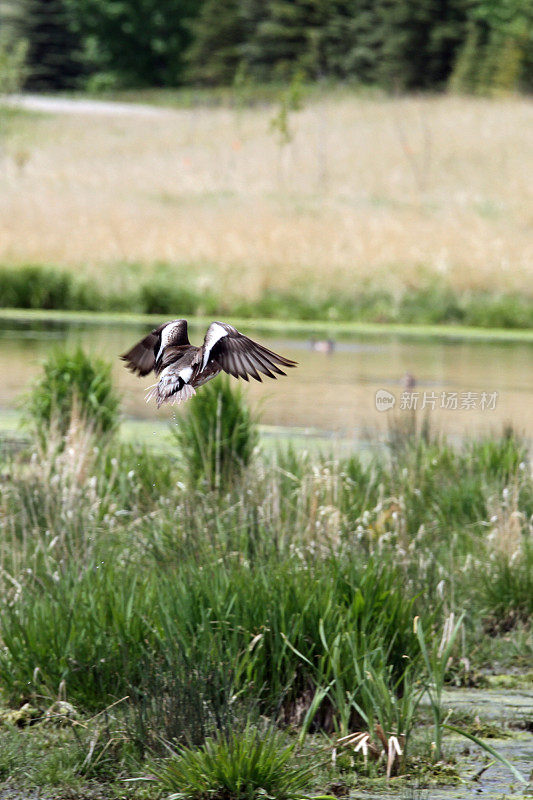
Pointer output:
x,y
182,367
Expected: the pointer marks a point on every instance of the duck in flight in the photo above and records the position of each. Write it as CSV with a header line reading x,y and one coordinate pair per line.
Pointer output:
x,y
182,367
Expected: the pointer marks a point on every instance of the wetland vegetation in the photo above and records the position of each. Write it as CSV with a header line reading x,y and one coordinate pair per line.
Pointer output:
x,y
248,609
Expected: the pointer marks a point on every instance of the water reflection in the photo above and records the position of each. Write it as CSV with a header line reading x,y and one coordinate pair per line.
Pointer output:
x,y
332,391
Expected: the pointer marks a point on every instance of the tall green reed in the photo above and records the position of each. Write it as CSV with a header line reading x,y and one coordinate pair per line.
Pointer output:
x,y
217,435
436,658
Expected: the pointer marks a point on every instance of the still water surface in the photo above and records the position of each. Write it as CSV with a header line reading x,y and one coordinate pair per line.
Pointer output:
x,y
333,392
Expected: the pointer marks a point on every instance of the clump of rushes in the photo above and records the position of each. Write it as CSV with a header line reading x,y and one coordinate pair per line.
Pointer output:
x,y
217,435
73,384
242,766
386,712
507,589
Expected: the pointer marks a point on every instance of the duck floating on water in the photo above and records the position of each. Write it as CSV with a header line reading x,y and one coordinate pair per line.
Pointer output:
x,y
322,345
182,367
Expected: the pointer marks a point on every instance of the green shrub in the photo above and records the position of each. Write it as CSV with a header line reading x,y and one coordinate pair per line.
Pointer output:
x,y
40,287
100,83
243,766
297,613
172,292
430,305
217,435
113,625
164,297
73,383
501,311
36,287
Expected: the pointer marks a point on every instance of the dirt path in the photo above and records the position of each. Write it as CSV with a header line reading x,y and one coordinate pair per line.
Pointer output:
x,y
69,105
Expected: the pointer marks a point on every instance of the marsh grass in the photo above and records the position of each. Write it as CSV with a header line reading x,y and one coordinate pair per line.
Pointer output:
x,y
507,589
73,759
436,659
84,629
290,594
154,570
218,601
182,702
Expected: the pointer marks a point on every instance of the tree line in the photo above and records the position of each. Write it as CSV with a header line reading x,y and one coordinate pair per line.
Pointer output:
x,y
470,45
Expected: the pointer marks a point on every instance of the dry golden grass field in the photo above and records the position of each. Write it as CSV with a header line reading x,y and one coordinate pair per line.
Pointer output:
x,y
369,190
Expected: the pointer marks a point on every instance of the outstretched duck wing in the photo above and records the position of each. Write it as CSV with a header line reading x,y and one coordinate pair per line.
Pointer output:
x,y
238,355
142,357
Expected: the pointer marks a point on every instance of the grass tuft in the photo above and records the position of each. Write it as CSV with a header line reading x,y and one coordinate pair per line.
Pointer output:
x,y
245,765
73,387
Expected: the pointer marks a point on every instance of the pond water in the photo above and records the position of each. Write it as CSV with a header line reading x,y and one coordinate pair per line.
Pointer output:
x,y
464,387
511,714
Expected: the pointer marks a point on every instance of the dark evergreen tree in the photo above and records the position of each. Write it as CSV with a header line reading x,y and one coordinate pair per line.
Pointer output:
x,y
141,42
288,37
420,41
393,42
399,44
352,41
54,48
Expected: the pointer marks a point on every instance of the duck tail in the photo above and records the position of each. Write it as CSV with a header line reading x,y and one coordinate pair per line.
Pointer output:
x,y
183,395
151,392
161,394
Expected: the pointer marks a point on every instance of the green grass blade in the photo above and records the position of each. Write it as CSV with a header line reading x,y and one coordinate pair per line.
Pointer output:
x,y
494,753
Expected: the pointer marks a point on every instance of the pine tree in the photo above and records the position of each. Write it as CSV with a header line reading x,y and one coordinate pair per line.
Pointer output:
x,y
352,41
420,41
139,42
54,52
289,38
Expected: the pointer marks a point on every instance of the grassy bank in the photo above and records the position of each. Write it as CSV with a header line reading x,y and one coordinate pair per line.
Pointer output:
x,y
272,326
280,594
47,289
